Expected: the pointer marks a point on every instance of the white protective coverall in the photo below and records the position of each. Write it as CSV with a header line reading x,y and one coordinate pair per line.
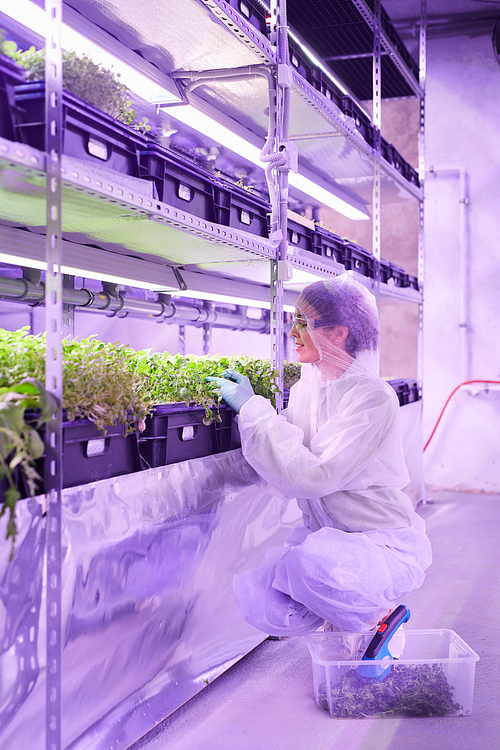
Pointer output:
x,y
337,450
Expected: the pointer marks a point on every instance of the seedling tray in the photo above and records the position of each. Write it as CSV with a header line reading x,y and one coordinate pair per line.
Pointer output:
x,y
433,676
300,236
390,273
175,432
179,182
241,209
11,75
88,133
407,390
329,245
360,260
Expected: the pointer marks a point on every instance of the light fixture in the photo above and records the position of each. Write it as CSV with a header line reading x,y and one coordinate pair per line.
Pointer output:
x,y
24,262
33,17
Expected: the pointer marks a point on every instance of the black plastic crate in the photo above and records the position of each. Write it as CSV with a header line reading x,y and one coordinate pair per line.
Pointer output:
x,y
407,391
402,390
412,283
179,182
11,75
360,260
241,209
394,274
361,120
88,133
177,433
329,245
411,174
302,64
329,90
89,455
253,12
300,236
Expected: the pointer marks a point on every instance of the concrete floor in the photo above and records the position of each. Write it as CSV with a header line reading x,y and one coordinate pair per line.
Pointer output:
x,y
265,701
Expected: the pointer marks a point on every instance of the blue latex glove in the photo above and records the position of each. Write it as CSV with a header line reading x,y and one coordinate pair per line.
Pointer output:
x,y
234,388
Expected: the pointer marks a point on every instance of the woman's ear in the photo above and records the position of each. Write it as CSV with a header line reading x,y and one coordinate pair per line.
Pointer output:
x,y
340,335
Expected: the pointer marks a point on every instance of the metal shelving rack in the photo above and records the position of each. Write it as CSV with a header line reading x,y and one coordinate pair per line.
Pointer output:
x,y
125,221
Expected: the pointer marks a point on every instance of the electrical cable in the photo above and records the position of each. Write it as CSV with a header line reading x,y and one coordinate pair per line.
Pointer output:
x,y
467,382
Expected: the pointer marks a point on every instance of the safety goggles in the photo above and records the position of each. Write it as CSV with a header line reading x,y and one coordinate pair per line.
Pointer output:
x,y
299,322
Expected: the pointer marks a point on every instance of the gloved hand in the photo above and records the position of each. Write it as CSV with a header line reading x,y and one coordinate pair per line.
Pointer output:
x,y
234,388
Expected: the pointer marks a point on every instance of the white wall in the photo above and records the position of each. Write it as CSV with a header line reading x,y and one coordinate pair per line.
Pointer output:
x,y
463,121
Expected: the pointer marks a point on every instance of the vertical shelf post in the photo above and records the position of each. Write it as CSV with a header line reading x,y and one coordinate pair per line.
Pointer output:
x,y
421,176
377,125
53,366
279,33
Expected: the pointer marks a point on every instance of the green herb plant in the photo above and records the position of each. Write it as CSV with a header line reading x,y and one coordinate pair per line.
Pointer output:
x,y
20,443
107,383
111,383
85,79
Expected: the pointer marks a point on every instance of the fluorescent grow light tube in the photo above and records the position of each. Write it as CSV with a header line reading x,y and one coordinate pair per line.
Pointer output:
x,y
17,260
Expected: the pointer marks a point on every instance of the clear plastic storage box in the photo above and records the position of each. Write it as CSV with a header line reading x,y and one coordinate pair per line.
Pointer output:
x,y
432,674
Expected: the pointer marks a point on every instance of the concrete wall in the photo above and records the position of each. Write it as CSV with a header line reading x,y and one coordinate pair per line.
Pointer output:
x,y
463,116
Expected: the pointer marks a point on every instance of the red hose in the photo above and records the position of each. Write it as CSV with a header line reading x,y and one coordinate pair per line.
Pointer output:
x,y
467,382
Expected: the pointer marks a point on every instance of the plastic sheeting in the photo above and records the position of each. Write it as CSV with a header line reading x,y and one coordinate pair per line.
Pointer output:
x,y
148,617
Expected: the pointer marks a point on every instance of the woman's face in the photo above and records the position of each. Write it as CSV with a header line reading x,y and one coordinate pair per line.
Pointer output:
x,y
306,351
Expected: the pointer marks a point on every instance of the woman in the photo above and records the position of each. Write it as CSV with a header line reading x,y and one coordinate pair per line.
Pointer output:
x,y
337,450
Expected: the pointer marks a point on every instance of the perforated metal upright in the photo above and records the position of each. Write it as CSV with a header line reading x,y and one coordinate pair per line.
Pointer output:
x,y
280,37
421,175
377,123
53,367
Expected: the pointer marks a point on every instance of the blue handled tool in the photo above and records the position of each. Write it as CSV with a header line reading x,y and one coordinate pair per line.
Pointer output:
x,y
378,648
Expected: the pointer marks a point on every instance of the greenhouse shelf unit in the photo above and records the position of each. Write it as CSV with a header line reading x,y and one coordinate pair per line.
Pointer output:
x,y
123,577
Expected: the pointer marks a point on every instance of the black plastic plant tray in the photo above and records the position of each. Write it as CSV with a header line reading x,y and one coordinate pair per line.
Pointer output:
x,y
253,12
176,432
88,133
357,259
362,121
407,390
412,283
179,182
89,456
241,209
329,245
299,236
11,75
398,275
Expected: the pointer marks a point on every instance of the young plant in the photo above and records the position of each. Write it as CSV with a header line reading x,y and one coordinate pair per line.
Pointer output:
x,y
85,79
20,443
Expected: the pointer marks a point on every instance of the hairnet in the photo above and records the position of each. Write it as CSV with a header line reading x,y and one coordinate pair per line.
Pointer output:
x,y
338,308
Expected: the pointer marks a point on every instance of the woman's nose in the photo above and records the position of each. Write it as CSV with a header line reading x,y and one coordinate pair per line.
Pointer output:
x,y
294,332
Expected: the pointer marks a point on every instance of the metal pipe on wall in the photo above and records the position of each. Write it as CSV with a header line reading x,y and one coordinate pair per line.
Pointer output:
x,y
464,324
178,312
